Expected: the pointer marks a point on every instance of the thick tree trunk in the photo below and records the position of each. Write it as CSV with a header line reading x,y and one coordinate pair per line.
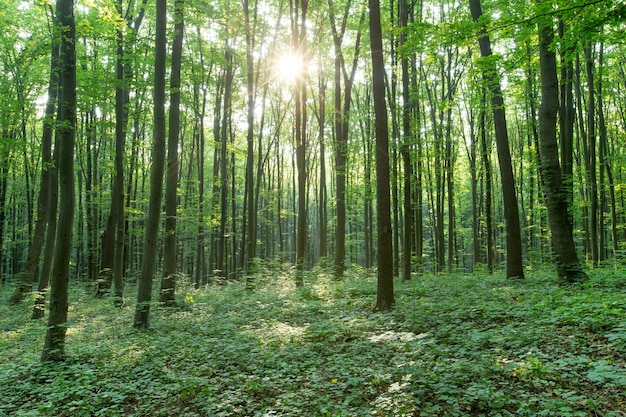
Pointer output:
x,y
385,295
167,294
144,290
568,266
54,346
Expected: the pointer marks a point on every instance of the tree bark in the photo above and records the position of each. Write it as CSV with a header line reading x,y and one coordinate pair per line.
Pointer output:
x,y
407,164
54,346
144,290
167,294
43,202
251,217
515,268
384,294
568,266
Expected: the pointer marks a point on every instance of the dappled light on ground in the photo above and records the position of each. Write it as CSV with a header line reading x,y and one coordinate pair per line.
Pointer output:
x,y
452,345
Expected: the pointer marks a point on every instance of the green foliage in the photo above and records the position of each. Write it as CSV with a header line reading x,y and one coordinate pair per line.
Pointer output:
x,y
454,345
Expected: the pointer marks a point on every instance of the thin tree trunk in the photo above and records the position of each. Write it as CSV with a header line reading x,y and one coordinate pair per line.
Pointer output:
x,y
485,152
298,11
605,160
591,158
43,202
515,268
407,164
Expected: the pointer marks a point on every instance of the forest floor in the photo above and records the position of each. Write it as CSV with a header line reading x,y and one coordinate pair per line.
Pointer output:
x,y
454,345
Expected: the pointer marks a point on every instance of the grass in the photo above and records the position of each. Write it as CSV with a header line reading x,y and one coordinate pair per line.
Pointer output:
x,y
453,345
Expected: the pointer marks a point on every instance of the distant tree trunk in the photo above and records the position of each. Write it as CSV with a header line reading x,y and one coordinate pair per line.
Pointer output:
x,y
407,164
584,150
472,160
200,112
532,141
91,207
515,268
323,191
5,158
54,346
144,290
485,152
43,202
298,11
605,160
117,194
568,266
366,133
591,160
167,294
342,118
385,296
251,216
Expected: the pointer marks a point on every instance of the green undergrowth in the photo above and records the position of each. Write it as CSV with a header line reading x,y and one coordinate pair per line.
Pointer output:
x,y
453,345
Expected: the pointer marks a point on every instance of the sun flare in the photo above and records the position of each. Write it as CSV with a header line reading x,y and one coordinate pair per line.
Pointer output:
x,y
289,67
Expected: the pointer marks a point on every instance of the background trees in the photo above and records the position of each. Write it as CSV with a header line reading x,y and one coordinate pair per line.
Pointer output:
x,y
257,127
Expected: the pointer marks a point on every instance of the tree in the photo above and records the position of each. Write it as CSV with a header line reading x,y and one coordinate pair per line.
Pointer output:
x,y
342,118
43,202
144,290
568,266
515,268
54,346
298,11
385,296
170,264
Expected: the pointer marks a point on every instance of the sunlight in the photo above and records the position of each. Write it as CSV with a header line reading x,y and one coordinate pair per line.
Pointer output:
x,y
289,67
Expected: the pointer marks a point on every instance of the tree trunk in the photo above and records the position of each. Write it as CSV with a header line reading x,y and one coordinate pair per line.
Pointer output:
x,y
605,160
591,160
54,346
43,202
167,294
515,268
385,296
251,216
323,191
485,152
298,10
407,164
144,290
568,266
117,194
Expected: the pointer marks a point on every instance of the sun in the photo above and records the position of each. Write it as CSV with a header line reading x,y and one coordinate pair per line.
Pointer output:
x,y
289,67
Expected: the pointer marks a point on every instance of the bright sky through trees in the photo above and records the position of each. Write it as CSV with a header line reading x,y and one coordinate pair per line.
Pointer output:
x,y
289,67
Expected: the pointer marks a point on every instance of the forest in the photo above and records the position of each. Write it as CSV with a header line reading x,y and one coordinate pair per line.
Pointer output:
x,y
333,208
